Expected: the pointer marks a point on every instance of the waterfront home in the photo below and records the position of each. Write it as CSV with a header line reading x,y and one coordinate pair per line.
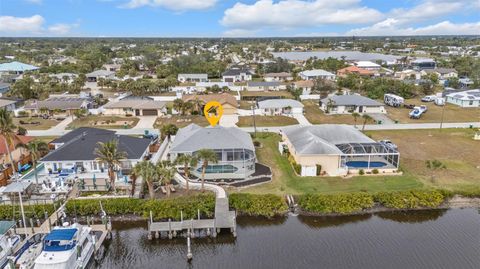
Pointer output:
x,y
316,74
228,101
336,150
8,104
273,107
234,149
282,76
97,74
65,105
423,63
19,155
347,104
76,150
135,106
192,78
259,86
237,74
354,70
469,98
367,65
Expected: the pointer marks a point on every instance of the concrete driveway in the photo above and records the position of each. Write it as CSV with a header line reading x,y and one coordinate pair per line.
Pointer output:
x,y
145,122
229,120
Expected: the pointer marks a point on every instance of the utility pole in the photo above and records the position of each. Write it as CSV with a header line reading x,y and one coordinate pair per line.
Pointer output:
x,y
254,124
443,113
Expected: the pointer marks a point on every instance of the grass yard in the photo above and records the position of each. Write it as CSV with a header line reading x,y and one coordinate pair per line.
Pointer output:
x,y
284,94
35,123
286,181
454,148
453,113
317,116
105,122
266,121
246,104
181,121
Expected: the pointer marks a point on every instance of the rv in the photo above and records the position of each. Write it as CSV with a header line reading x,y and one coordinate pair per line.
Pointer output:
x,y
393,100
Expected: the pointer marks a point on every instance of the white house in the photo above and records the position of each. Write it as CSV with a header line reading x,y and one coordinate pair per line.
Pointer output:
x,y
470,98
256,86
282,76
192,78
347,104
97,74
237,74
273,107
368,65
76,150
135,106
315,74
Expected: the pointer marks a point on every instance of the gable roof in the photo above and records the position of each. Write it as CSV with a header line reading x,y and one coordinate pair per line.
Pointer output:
x,y
236,71
470,95
63,103
100,73
223,98
279,103
355,69
263,84
193,138
351,100
322,139
316,73
281,74
136,104
16,67
80,144
17,139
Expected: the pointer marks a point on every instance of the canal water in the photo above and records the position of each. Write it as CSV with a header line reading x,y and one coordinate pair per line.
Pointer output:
x,y
420,239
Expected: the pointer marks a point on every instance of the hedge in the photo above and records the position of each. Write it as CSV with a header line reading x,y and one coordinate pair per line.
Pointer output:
x,y
161,209
31,211
336,203
267,205
410,199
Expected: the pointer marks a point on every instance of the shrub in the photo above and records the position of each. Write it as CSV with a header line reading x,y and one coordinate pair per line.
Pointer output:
x,y
336,203
8,212
361,172
410,199
267,205
375,171
435,164
21,130
319,169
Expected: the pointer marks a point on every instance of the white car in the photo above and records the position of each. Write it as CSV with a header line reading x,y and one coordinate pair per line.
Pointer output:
x,y
429,98
388,143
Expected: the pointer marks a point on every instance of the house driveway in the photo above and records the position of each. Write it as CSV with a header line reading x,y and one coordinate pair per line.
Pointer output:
x,y
301,119
145,122
381,117
229,120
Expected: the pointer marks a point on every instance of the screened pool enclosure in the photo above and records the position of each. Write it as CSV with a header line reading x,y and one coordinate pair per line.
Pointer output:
x,y
368,156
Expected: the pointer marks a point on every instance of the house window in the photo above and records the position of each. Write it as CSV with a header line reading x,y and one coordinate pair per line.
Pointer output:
x,y
470,103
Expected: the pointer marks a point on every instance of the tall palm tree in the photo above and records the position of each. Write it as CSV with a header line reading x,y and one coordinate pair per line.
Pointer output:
x,y
7,130
36,148
206,156
168,130
109,153
148,172
188,161
355,116
366,118
197,104
178,105
165,173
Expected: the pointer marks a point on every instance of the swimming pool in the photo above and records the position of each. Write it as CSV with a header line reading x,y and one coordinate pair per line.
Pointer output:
x,y
364,164
31,175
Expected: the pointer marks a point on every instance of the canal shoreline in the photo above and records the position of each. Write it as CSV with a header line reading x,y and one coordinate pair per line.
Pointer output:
x,y
455,202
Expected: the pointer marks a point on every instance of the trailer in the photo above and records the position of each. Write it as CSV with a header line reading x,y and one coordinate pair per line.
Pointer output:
x,y
393,100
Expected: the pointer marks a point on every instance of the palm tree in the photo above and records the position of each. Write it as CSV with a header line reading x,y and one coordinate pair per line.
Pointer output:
x,y
178,105
197,104
355,116
206,156
187,161
366,118
148,172
168,130
7,130
109,153
36,148
187,106
165,173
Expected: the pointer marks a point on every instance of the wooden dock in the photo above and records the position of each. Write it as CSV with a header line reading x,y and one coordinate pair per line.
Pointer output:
x,y
224,218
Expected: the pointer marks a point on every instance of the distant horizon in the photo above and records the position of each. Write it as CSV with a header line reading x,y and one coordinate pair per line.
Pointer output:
x,y
247,37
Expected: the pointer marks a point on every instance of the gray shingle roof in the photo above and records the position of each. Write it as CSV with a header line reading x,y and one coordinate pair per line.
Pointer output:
x,y
279,103
136,104
322,139
100,73
351,100
63,103
194,137
80,144
263,84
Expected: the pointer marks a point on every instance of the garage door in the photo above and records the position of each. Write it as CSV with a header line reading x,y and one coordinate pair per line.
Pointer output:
x,y
150,112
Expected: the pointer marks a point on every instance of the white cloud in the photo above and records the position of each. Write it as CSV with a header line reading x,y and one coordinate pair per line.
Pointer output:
x,y
297,13
240,33
32,26
16,25
390,27
176,5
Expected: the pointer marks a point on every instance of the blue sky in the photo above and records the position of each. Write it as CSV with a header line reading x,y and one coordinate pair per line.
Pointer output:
x,y
215,18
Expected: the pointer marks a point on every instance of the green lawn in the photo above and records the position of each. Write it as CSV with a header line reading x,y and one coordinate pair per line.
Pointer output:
x,y
35,123
285,181
105,122
266,121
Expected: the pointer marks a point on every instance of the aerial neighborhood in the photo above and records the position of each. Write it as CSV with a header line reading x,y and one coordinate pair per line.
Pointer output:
x,y
291,120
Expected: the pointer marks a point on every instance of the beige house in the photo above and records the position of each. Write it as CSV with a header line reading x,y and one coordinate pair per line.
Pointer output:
x,y
228,101
143,106
347,104
336,150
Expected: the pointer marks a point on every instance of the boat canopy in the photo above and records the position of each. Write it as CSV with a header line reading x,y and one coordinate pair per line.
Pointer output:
x,y
61,234
6,225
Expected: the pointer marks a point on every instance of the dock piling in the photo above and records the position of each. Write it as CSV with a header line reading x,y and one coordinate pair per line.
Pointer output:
x,y
189,253
31,226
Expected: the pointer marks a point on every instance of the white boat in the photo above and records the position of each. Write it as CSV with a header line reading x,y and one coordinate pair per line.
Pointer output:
x,y
31,249
67,247
8,241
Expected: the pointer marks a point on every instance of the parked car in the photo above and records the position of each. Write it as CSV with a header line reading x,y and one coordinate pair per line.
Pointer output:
x,y
388,144
440,101
429,98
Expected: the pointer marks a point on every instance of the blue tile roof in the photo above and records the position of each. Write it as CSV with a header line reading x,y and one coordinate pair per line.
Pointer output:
x,y
16,67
